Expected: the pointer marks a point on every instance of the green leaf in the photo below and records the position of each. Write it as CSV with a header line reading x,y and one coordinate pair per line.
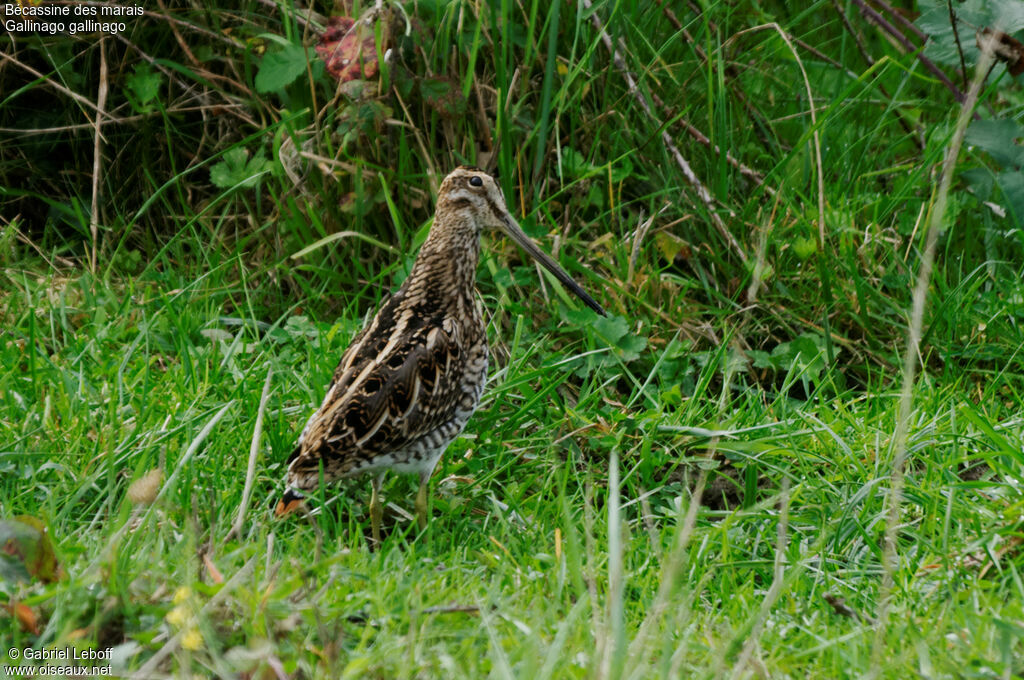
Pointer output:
x,y
236,170
803,248
622,171
980,180
615,330
279,69
611,328
144,83
942,46
435,88
12,570
1012,185
761,359
631,346
582,316
999,138
443,95
301,327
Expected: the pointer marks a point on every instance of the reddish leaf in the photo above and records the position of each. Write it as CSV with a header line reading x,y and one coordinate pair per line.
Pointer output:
x,y
26,549
27,618
212,569
348,49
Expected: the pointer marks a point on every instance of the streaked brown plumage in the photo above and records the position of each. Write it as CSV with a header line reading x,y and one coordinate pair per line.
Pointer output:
x,y
410,380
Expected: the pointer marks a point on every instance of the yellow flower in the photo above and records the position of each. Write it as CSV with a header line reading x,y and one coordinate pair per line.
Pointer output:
x,y
192,639
182,594
177,616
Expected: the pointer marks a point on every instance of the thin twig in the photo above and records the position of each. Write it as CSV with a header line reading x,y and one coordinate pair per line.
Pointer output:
x,y
761,127
748,172
97,155
306,17
873,16
427,157
902,20
956,39
824,57
112,120
177,37
201,73
50,82
913,130
691,177
857,39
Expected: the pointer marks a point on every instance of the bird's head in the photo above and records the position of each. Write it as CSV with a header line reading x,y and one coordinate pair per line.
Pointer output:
x,y
471,195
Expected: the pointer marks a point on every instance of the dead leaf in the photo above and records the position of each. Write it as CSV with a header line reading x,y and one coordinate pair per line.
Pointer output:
x,y
348,49
27,618
26,550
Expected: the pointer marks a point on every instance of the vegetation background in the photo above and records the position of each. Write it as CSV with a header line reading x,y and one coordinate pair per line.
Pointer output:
x,y
196,214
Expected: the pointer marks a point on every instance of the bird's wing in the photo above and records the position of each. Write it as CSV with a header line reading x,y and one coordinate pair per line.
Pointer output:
x,y
399,380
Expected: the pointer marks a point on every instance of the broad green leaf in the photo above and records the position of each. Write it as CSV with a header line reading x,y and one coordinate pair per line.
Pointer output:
x,y
1000,139
443,95
1012,184
611,328
278,69
980,180
236,170
144,83
631,346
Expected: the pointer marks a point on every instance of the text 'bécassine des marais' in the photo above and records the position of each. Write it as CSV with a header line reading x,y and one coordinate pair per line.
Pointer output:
x,y
70,18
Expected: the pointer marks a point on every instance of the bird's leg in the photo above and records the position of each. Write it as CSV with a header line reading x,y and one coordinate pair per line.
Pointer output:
x,y
376,509
421,500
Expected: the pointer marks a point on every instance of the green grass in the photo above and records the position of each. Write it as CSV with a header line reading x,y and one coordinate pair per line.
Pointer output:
x,y
712,373
520,530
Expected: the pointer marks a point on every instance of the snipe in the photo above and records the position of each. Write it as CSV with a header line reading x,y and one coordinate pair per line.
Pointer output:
x,y
410,380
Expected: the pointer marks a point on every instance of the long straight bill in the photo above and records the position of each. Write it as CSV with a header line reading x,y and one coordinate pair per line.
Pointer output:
x,y
524,241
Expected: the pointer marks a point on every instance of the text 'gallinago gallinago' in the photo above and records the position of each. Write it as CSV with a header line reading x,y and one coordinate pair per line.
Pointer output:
x,y
409,381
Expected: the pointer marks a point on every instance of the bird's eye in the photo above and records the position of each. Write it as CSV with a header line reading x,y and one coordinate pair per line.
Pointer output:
x,y
476,181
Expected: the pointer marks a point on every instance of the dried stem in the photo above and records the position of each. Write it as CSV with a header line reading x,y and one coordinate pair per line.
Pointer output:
x,y
97,155
956,39
912,352
873,16
254,448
